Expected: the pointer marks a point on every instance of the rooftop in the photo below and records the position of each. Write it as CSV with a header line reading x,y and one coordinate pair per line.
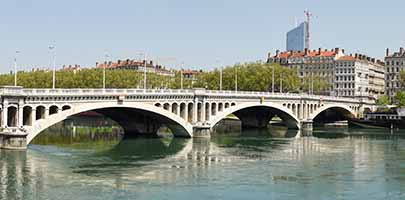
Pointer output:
x,y
308,53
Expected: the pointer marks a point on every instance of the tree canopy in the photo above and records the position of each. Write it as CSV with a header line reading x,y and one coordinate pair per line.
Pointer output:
x,y
253,76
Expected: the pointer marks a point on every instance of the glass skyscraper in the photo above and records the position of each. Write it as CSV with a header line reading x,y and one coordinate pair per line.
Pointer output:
x,y
296,38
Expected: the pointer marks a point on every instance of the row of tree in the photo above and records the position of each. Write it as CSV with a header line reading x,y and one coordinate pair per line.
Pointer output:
x,y
250,77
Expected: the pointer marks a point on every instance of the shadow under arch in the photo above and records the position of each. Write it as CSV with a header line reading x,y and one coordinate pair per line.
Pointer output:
x,y
258,115
135,119
332,113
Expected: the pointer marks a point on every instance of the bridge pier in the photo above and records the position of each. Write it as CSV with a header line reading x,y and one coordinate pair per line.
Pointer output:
x,y
202,131
307,125
13,139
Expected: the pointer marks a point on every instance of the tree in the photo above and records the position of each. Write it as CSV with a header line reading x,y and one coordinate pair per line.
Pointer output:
x,y
400,98
383,100
402,79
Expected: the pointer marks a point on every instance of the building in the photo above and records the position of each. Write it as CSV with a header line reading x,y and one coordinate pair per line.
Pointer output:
x,y
136,65
394,64
359,76
318,63
296,38
339,70
71,68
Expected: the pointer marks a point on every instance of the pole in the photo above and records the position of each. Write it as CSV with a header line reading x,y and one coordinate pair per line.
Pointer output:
x,y
312,83
281,82
15,69
104,68
220,76
236,79
272,81
52,51
144,72
181,76
54,69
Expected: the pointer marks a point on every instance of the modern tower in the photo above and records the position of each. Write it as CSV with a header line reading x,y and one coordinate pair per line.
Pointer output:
x,y
296,38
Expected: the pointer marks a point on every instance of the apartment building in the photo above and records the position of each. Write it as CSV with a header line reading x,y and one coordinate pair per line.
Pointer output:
x,y
347,75
394,64
358,76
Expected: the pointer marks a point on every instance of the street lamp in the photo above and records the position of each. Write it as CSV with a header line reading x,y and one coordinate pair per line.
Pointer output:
x,y
272,81
53,58
236,78
15,67
281,82
104,66
181,75
144,71
220,75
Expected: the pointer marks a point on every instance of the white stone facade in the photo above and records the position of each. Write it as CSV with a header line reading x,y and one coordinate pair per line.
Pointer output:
x,y
347,75
394,64
358,76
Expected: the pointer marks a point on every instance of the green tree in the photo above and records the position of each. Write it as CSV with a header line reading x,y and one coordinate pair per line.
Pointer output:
x,y
383,100
400,98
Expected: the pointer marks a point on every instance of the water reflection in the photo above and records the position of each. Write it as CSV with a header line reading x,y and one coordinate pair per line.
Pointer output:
x,y
238,165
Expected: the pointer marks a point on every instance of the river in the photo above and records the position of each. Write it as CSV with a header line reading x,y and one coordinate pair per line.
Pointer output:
x,y
336,163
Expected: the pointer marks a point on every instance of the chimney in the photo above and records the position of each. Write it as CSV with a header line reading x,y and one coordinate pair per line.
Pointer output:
x,y
368,58
387,52
319,50
355,55
336,50
269,55
343,51
306,51
277,52
401,50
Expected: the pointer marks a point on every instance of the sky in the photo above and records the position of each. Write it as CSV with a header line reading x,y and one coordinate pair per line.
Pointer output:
x,y
201,34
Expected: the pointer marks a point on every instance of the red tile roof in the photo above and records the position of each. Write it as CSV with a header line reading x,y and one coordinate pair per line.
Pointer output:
x,y
347,58
298,54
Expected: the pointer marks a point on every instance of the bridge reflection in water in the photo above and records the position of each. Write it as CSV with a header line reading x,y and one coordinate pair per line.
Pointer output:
x,y
271,162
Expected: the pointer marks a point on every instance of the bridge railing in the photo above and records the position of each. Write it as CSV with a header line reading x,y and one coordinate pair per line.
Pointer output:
x,y
93,91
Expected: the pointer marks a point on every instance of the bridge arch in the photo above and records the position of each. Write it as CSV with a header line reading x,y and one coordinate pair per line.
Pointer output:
x,y
66,107
27,115
12,113
285,114
180,127
341,109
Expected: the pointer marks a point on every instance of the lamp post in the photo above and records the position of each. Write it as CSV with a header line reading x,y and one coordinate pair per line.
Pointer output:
x,y
236,78
281,82
272,81
15,67
181,75
144,71
104,68
52,51
220,75
312,83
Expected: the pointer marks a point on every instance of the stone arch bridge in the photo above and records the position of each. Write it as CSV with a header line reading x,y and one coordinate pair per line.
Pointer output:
x,y
24,113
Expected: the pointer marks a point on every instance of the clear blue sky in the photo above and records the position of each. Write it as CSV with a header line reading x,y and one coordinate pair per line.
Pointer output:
x,y
194,32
